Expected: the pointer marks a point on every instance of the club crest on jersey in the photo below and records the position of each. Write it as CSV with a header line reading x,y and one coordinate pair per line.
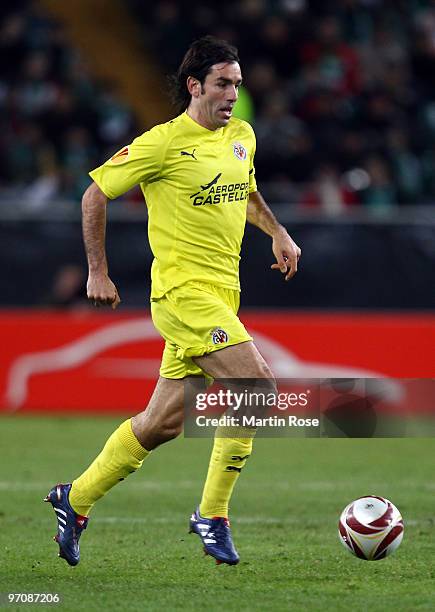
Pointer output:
x,y
120,157
239,151
219,336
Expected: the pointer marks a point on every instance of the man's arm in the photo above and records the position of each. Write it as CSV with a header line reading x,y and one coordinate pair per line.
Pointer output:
x,y
100,288
286,251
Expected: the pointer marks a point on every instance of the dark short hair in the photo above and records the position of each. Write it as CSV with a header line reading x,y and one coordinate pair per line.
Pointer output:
x,y
200,57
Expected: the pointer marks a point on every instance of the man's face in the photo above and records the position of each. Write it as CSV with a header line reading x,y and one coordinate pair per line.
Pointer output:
x,y
219,94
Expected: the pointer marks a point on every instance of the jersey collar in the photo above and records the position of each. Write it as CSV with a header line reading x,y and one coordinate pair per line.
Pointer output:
x,y
213,134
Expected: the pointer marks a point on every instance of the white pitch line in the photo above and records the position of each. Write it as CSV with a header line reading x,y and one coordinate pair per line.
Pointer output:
x,y
239,520
162,485
174,520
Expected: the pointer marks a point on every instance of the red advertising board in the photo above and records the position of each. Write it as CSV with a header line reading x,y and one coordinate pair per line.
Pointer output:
x,y
85,361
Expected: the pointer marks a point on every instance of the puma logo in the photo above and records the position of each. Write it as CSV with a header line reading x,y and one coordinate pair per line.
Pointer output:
x,y
189,154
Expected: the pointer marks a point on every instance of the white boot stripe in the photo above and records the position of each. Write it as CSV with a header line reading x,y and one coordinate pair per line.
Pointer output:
x,y
61,528
59,510
61,520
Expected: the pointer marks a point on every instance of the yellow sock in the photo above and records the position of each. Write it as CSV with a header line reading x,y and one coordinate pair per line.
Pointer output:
x,y
121,455
228,457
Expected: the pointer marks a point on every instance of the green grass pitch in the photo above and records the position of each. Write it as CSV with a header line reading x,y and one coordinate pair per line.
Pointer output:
x,y
137,555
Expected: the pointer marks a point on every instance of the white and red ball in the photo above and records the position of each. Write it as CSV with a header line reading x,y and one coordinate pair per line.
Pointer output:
x,y
371,527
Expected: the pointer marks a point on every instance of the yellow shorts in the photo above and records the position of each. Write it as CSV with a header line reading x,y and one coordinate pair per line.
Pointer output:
x,y
195,319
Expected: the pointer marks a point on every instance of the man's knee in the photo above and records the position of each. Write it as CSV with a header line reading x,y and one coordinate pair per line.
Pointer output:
x,y
162,420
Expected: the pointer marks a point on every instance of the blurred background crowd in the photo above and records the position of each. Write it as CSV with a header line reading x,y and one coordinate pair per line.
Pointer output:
x,y
343,101
57,120
340,93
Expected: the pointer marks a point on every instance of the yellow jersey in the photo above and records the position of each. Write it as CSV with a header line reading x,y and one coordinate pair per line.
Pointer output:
x,y
196,183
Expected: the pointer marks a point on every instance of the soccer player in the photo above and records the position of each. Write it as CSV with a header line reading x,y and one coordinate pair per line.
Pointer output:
x,y
197,176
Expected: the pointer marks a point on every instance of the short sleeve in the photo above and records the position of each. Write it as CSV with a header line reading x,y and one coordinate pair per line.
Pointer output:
x,y
138,162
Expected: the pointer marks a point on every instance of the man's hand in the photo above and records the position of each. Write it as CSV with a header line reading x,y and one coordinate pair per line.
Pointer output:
x,y
101,291
287,253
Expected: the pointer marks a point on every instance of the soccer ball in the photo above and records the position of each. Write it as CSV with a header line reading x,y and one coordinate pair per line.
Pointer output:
x,y
371,527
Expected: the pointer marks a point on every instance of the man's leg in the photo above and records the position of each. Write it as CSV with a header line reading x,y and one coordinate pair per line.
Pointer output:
x,y
122,454
230,451
229,454
126,449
